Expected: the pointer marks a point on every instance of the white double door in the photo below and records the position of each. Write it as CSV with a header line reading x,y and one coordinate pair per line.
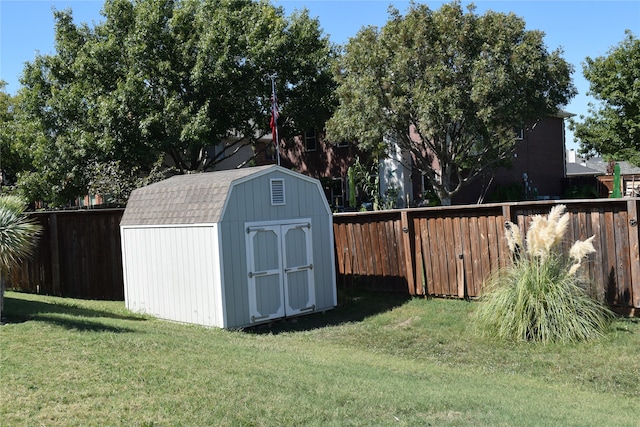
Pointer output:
x,y
280,269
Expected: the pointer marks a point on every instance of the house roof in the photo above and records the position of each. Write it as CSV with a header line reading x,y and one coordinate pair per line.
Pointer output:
x,y
564,114
600,164
185,199
576,169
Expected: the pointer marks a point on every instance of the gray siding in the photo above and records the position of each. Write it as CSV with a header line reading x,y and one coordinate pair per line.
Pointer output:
x,y
251,201
234,273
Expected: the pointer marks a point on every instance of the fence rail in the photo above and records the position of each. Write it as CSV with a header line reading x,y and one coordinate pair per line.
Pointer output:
x,y
449,251
444,251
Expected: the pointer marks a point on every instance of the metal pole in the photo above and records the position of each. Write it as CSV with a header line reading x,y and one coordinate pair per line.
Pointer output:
x,y
274,104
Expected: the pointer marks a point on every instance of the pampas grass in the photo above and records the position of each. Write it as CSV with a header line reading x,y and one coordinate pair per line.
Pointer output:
x,y
539,297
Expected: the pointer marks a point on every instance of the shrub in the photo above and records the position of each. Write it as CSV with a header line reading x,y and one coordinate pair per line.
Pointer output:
x,y
539,297
17,237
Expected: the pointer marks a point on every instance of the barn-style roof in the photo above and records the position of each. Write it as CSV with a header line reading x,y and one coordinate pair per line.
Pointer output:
x,y
184,199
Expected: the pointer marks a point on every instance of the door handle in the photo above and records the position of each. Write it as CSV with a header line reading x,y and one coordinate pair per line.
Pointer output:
x,y
302,267
258,274
254,318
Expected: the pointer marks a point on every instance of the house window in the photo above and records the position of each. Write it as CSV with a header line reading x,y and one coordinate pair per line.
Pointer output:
x,y
310,140
337,193
270,152
519,133
277,191
219,152
343,143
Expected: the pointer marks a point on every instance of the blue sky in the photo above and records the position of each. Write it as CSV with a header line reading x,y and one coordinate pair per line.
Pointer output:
x,y
581,28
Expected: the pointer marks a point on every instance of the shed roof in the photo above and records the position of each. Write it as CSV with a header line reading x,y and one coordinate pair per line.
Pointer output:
x,y
184,199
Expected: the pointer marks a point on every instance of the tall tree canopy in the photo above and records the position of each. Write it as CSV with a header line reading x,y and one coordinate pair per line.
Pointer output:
x,y
16,140
166,79
612,127
448,86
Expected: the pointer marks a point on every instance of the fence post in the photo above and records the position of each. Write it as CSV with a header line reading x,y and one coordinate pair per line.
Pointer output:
x,y
634,250
506,212
407,238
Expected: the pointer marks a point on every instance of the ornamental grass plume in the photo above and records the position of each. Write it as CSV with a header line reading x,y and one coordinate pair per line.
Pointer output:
x,y
580,250
514,238
546,233
539,296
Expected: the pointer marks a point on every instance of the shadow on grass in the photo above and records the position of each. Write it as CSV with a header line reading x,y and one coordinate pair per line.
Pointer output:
x,y
68,316
623,323
353,307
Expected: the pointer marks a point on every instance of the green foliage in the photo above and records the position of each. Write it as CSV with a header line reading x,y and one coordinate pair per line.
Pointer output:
x,y
366,179
115,184
537,301
512,192
617,191
581,192
351,177
612,127
448,86
17,232
184,80
390,197
429,198
15,141
17,237
539,297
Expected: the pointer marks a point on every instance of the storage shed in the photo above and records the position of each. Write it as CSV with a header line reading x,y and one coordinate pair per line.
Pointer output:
x,y
229,249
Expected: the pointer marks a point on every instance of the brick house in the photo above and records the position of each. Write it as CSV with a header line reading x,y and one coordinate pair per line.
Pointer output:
x,y
538,169
538,165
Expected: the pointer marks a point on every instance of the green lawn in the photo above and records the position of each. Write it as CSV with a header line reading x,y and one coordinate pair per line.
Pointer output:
x,y
375,360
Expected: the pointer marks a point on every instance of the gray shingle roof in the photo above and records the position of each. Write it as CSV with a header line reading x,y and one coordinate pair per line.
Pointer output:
x,y
600,164
184,199
575,169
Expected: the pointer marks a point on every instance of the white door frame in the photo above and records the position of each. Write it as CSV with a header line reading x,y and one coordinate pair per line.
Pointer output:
x,y
280,229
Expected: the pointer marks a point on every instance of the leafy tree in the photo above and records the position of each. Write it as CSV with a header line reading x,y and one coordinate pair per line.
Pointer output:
x,y
449,87
170,79
612,127
14,153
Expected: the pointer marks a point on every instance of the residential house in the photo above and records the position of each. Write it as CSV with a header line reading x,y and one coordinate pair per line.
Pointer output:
x,y
308,154
598,172
537,170
311,155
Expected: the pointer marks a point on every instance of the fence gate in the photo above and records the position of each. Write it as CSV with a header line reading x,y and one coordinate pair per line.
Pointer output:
x,y
280,269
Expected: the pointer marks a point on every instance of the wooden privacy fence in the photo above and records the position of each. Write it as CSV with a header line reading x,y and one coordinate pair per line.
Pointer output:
x,y
78,255
446,251
449,251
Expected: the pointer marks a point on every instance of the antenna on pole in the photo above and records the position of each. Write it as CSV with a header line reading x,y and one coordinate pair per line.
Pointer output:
x,y
274,116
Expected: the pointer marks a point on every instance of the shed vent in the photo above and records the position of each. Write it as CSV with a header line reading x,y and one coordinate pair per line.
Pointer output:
x,y
277,191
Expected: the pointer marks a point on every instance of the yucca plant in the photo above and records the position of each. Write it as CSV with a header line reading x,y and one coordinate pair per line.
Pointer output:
x,y
539,296
17,237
